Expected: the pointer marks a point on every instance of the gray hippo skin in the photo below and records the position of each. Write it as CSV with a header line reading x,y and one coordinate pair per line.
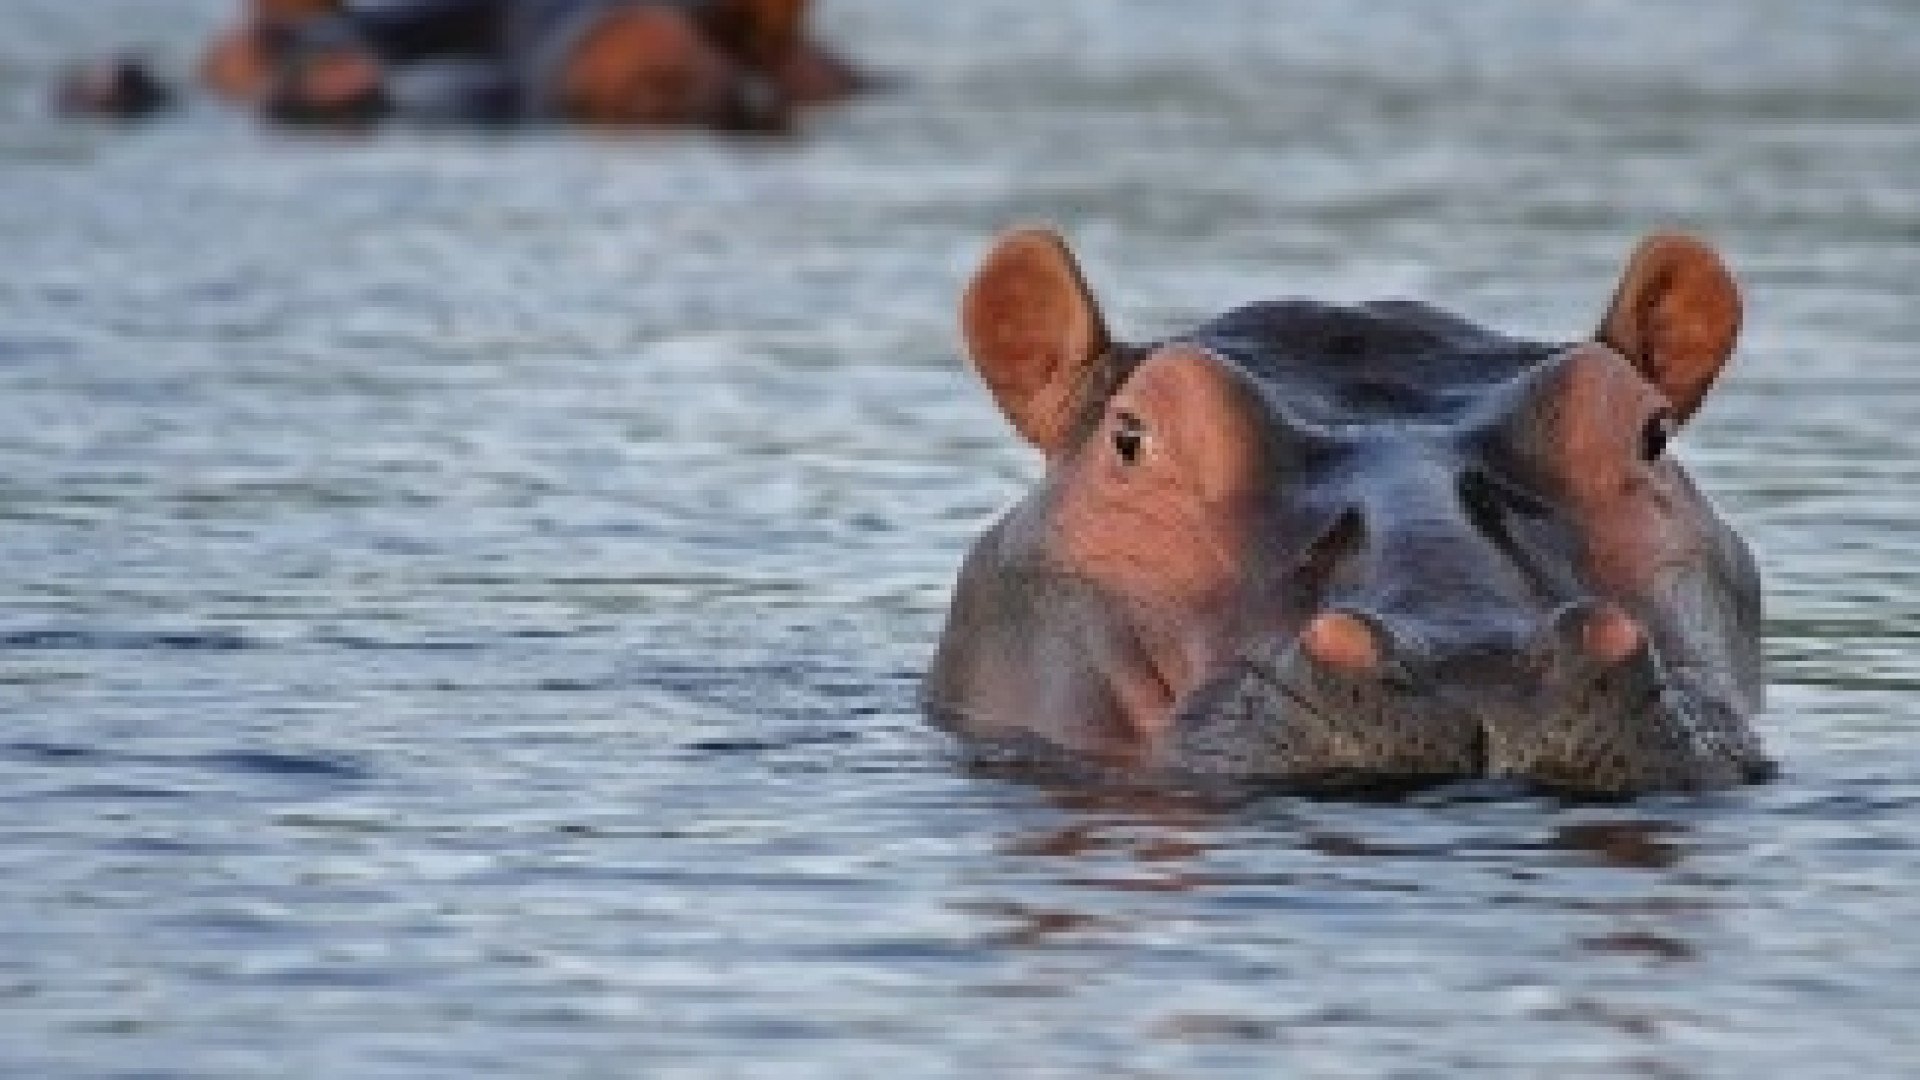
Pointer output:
x,y
731,65
727,65
1362,545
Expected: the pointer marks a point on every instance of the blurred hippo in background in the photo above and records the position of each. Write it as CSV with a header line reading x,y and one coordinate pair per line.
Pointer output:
x,y
731,65
121,87
1357,546
770,40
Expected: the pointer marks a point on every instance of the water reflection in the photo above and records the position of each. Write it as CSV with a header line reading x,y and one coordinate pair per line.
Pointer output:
x,y
1549,906
1029,926
1646,844
540,564
1640,943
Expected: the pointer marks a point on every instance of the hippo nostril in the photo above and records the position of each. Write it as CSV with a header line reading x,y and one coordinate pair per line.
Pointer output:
x,y
1342,641
1610,635
1596,631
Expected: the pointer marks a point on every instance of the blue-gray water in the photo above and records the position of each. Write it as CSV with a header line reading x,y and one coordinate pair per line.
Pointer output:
x,y
461,598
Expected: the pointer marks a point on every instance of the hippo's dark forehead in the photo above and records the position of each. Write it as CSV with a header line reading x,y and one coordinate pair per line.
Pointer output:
x,y
1383,360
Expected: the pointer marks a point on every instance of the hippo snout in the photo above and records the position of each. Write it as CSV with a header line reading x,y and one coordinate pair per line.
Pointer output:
x,y
1583,704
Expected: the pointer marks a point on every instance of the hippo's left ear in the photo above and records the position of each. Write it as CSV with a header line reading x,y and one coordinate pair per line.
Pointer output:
x,y
1035,333
1676,315
757,31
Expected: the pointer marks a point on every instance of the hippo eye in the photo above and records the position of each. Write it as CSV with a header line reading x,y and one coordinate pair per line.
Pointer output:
x,y
1656,435
1129,437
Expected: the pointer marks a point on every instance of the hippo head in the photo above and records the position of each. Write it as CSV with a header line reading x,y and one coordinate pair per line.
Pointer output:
x,y
654,65
118,87
298,61
1374,544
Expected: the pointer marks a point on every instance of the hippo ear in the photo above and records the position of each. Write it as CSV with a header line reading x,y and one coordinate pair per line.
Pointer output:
x,y
758,31
1035,333
1676,315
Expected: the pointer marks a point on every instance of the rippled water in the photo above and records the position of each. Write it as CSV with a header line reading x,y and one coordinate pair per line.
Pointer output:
x,y
461,598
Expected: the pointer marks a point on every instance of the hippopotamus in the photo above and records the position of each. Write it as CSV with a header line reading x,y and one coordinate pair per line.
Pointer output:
x,y
1357,545
290,60
297,60
725,64
769,38
121,87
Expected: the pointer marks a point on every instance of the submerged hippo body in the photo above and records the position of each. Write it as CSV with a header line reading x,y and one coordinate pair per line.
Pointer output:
x,y
725,64
1343,545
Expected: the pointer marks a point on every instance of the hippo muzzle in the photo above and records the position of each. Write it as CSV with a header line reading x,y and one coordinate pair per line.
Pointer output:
x,y
1589,707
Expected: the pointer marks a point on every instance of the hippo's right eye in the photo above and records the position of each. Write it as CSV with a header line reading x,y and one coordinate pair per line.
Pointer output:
x,y
1129,437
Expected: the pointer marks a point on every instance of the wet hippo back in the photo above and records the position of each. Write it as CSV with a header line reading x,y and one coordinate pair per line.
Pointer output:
x,y
405,31
770,58
611,61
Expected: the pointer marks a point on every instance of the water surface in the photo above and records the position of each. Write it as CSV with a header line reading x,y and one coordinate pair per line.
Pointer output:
x,y
461,598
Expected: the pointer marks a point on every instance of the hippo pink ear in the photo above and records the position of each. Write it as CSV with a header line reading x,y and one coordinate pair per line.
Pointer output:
x,y
759,31
1035,333
1676,315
